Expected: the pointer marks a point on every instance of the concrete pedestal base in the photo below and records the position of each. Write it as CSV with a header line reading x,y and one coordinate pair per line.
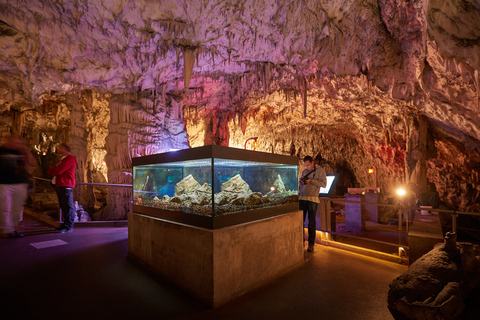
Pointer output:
x,y
216,266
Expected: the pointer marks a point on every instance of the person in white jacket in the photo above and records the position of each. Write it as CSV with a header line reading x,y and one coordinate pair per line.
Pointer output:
x,y
312,179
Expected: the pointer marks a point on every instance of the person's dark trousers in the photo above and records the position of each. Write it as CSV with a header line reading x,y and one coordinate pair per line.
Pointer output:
x,y
310,208
65,199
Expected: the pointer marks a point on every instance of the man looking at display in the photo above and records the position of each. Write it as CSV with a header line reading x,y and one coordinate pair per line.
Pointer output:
x,y
63,172
312,179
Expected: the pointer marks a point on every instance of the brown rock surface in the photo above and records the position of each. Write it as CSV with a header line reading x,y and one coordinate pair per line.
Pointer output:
x,y
438,284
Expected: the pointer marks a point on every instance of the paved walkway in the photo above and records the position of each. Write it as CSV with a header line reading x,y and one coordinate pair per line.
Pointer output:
x,y
86,275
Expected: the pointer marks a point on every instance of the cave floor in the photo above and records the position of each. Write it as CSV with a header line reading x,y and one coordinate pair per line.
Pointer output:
x,y
86,275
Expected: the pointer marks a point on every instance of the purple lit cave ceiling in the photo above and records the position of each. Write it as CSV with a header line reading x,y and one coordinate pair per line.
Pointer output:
x,y
394,84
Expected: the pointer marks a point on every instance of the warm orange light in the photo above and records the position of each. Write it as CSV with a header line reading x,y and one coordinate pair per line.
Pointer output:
x,y
371,170
255,142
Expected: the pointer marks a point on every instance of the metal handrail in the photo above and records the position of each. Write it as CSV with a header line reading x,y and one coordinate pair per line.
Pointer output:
x,y
106,184
78,183
90,183
454,213
404,207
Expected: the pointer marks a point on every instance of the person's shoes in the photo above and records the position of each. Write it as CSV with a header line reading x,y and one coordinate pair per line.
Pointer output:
x,y
14,234
62,230
310,248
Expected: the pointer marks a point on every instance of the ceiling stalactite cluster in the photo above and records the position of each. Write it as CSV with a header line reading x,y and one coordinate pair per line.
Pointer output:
x,y
393,84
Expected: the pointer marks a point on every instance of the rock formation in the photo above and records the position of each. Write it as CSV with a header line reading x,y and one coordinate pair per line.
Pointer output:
x,y
443,284
394,84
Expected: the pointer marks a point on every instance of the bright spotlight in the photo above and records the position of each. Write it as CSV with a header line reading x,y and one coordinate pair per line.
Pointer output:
x,y
272,189
401,192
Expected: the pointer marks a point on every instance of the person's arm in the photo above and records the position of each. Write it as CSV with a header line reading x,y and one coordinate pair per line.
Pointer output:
x,y
320,179
62,166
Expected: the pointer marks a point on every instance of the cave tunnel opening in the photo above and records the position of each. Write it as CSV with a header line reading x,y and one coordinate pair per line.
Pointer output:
x,y
346,177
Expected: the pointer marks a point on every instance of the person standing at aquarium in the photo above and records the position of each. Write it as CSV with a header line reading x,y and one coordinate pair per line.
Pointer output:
x,y
312,179
63,172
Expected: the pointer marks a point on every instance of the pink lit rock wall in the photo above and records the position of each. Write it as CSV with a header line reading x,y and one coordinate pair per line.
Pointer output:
x,y
350,79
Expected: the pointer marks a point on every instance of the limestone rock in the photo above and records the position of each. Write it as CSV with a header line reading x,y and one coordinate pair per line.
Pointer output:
x,y
437,285
186,186
203,195
236,184
175,199
222,198
279,186
252,199
80,214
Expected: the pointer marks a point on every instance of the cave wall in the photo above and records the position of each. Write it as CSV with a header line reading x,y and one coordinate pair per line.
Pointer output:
x,y
394,84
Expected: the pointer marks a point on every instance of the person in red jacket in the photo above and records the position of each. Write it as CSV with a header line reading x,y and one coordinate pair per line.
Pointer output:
x,y
63,172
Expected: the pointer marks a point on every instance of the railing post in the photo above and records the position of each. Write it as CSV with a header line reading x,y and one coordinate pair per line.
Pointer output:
x,y
33,195
454,221
400,222
407,220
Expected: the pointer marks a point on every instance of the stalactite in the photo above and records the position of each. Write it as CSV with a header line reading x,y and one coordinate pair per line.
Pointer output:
x,y
304,80
477,87
264,78
213,49
177,49
188,63
240,87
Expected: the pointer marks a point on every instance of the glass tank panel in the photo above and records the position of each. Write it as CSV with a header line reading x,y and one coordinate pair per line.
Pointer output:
x,y
178,186
241,186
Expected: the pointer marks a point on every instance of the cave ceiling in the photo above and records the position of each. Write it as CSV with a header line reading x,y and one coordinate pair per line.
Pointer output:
x,y
355,68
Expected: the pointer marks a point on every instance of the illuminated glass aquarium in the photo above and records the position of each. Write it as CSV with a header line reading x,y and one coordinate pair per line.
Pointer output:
x,y
215,186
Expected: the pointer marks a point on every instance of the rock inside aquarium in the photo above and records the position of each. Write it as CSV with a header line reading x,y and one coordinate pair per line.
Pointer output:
x,y
175,200
279,186
253,198
147,184
235,184
205,189
186,186
202,195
